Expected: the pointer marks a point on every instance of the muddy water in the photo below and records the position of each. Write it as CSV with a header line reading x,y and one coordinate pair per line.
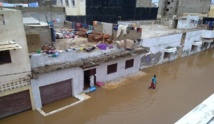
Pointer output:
x,y
182,85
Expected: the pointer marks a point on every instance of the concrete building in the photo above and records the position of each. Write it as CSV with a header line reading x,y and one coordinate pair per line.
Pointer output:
x,y
167,43
73,7
168,8
46,14
69,73
15,75
38,33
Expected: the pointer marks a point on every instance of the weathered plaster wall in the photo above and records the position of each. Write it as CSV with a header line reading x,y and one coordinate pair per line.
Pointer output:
x,y
157,45
76,74
43,31
121,71
14,30
187,23
190,38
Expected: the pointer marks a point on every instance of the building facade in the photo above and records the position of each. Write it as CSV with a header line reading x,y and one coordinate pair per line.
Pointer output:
x,y
15,75
168,8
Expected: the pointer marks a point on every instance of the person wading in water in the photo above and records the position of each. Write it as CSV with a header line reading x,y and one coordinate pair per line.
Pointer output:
x,y
153,83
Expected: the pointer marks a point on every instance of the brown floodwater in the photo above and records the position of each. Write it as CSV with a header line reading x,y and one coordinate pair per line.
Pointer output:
x,y
182,85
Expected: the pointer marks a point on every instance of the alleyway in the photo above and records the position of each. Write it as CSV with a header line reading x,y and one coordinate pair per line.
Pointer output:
x,y
182,85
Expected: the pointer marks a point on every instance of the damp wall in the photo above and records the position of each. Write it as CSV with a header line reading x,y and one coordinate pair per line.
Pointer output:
x,y
190,38
121,71
75,74
157,46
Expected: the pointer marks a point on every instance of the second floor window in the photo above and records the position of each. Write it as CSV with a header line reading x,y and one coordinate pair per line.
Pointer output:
x,y
73,3
66,3
5,57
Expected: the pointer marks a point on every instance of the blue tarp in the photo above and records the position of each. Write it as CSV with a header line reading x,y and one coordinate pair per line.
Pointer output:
x,y
33,4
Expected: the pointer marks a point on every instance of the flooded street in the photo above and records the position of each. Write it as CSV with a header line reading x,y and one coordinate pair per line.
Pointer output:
x,y
181,86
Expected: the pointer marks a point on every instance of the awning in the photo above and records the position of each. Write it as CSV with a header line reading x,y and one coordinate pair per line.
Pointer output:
x,y
9,45
197,43
170,49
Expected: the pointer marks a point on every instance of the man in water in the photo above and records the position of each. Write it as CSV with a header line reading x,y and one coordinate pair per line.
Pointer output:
x,y
153,83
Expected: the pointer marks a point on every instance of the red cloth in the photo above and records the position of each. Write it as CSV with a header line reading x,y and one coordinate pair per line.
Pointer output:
x,y
152,85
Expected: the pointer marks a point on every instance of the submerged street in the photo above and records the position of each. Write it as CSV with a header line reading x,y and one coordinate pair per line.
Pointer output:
x,y
181,86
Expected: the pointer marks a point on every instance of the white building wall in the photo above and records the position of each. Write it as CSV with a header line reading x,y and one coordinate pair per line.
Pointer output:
x,y
157,46
78,10
121,71
76,74
188,22
14,30
190,38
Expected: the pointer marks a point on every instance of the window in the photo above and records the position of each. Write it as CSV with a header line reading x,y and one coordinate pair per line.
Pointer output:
x,y
204,45
66,3
194,48
166,55
5,57
112,68
2,22
73,3
129,63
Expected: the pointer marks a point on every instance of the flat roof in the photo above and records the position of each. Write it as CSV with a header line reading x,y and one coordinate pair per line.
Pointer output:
x,y
158,30
30,21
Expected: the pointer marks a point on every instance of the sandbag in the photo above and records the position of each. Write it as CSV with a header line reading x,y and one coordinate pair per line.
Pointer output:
x,y
129,44
121,44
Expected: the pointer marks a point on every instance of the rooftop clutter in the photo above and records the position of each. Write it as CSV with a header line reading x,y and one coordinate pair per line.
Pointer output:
x,y
80,37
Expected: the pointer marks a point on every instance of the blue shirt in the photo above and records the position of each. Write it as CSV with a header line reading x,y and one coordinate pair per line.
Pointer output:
x,y
154,80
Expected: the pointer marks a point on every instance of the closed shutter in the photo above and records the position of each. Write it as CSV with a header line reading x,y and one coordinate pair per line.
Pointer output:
x,y
14,103
56,91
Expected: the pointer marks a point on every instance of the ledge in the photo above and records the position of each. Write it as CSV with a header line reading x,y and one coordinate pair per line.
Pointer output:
x,y
170,49
87,62
197,43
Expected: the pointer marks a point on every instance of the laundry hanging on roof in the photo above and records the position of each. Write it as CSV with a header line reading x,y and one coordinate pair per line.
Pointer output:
x,y
122,28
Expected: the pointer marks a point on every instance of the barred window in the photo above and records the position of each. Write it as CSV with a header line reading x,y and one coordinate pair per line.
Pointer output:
x,y
129,63
5,57
112,68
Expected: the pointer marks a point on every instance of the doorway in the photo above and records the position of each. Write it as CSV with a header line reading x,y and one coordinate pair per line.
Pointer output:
x,y
87,74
